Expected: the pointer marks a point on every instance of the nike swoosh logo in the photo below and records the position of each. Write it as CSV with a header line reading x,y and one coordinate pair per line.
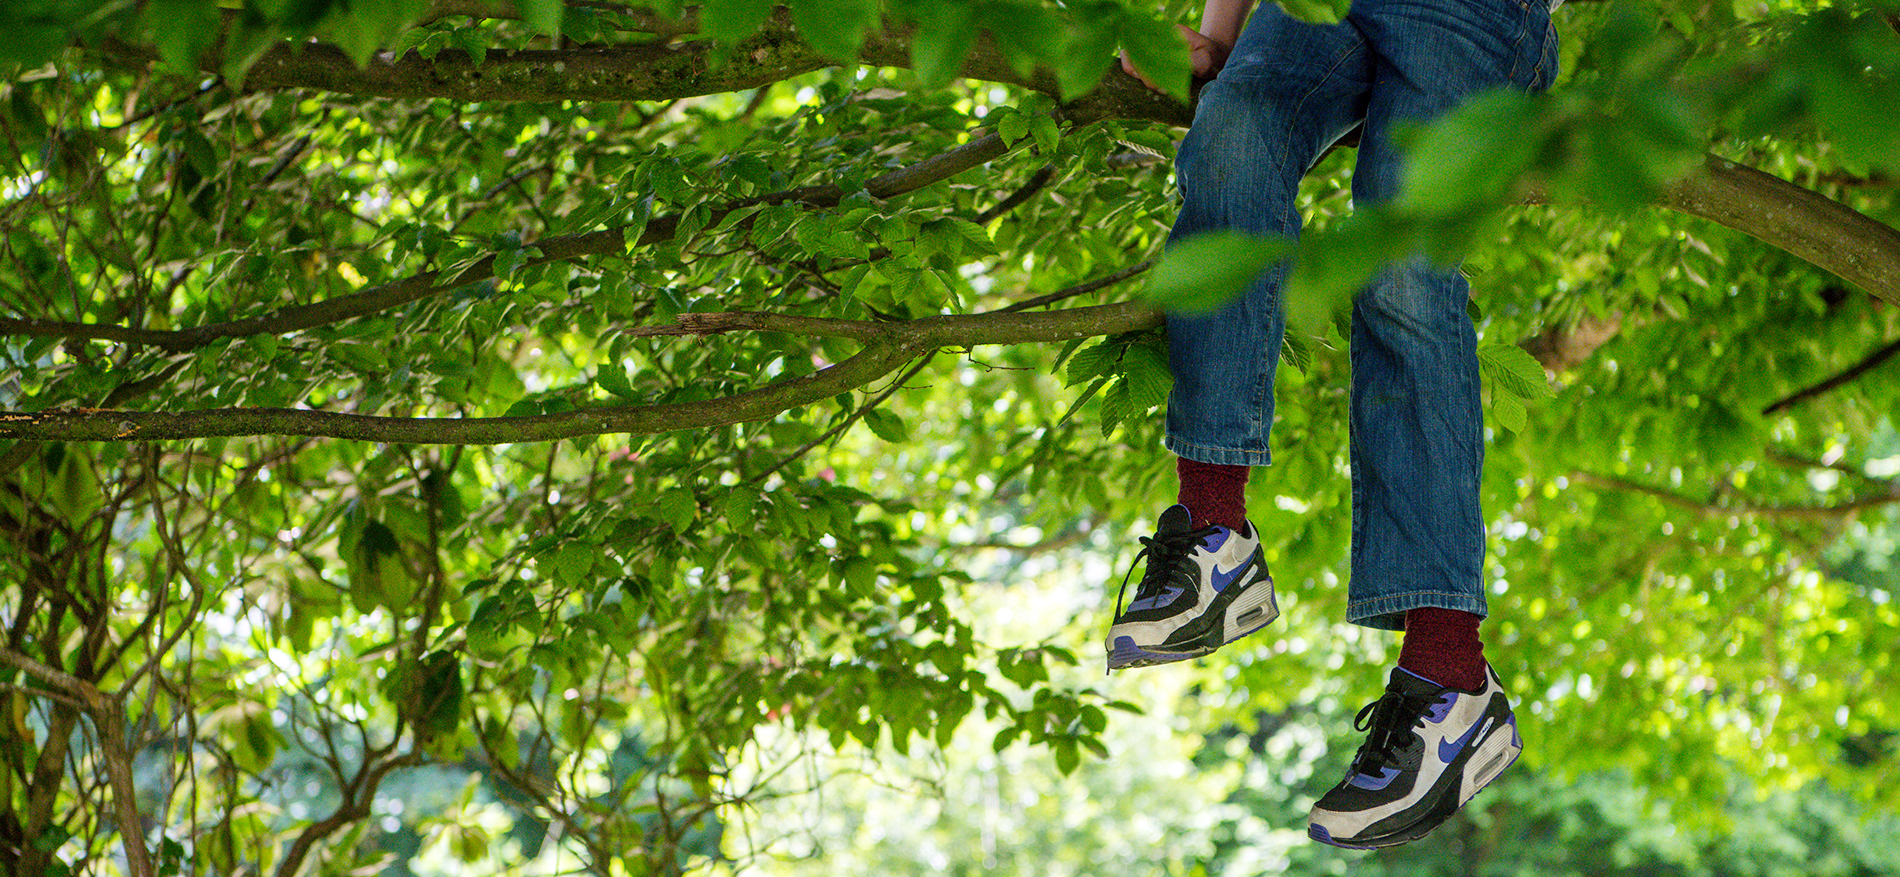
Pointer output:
x,y
1222,579
1449,749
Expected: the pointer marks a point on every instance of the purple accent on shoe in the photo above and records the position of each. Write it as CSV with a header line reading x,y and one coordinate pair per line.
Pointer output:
x,y
1319,833
1127,654
1164,598
1372,783
1439,710
1213,541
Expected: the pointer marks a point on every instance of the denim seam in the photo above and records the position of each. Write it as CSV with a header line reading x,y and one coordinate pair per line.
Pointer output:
x,y
1331,71
1517,48
1355,609
1177,440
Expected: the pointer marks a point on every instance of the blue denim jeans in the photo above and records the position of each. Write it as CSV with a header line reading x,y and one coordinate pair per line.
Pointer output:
x,y
1288,91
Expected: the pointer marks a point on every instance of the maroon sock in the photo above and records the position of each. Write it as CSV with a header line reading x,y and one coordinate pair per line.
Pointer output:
x,y
1442,645
1213,494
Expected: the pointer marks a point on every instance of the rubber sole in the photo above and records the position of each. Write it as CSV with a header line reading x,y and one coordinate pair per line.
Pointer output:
x,y
1245,610
1482,765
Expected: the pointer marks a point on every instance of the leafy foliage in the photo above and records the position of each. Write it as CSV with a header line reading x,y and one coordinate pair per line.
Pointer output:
x,y
606,649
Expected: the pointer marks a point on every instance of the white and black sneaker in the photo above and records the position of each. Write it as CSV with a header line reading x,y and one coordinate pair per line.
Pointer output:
x,y
1203,588
1430,749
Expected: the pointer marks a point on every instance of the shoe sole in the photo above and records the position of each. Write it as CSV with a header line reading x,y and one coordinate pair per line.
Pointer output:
x,y
1252,607
1486,762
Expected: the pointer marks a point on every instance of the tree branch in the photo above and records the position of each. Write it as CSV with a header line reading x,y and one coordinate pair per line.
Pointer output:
x,y
892,345
609,241
1833,236
109,718
1867,363
1712,509
656,71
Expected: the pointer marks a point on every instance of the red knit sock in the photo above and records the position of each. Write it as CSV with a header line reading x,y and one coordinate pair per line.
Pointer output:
x,y
1442,645
1213,494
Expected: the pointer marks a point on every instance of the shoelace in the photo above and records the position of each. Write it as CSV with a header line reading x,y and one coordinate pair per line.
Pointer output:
x,y
1392,718
1164,554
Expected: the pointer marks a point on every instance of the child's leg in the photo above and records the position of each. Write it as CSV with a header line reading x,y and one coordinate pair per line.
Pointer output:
x,y
1417,425
1288,91
1417,447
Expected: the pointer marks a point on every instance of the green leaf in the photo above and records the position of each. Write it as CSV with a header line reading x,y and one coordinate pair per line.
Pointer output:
x,y
835,27
1092,362
1469,159
886,425
1509,411
677,508
729,21
1204,272
1048,135
182,30
1157,50
473,42
1013,126
860,575
544,15
1068,755
1515,370
945,34
1145,371
1118,405
613,379
1088,53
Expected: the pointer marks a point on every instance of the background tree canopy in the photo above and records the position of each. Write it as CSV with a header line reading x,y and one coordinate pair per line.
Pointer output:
x,y
570,435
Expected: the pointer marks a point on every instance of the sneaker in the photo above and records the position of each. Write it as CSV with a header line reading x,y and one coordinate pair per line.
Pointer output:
x,y
1203,589
1431,748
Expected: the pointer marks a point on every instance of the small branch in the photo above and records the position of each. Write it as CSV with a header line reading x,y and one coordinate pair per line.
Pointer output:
x,y
47,693
67,683
1037,182
109,718
1832,236
721,322
1078,289
1711,509
1867,363
1785,458
1070,538
612,241
849,421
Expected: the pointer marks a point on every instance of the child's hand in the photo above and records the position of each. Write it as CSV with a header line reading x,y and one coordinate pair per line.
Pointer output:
x,y
1207,57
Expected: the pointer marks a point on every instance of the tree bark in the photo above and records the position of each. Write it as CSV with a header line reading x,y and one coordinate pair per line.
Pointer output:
x,y
888,346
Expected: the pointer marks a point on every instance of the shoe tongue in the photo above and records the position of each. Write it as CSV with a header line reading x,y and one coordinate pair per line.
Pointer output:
x,y
1175,520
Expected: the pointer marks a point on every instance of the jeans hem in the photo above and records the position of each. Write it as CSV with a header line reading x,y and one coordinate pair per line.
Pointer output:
x,y
1217,456
1388,613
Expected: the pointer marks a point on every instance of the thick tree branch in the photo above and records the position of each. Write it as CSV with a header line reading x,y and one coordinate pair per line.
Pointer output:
x,y
1833,236
657,71
888,346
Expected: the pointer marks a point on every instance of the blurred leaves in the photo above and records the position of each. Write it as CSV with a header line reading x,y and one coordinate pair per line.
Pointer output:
x,y
630,630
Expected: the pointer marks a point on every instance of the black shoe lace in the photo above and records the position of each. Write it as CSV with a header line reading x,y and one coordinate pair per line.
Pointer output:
x,y
1165,553
1391,719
